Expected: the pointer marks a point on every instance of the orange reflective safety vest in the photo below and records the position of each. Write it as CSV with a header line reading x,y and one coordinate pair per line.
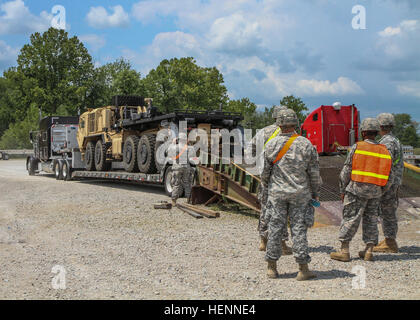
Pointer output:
x,y
371,164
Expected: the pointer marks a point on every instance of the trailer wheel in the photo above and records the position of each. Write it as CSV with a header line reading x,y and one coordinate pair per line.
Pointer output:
x,y
58,170
167,181
90,157
66,170
146,154
130,154
5,156
30,165
100,156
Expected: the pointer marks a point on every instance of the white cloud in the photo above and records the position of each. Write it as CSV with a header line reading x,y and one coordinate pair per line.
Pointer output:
x,y
8,55
235,34
410,89
99,18
404,27
343,86
94,41
17,19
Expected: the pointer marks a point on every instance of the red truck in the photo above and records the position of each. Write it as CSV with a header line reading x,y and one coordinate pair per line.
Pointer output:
x,y
332,128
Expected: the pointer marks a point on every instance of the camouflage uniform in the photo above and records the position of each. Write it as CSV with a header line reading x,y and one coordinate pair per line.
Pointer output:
x,y
182,172
289,186
389,200
361,202
266,133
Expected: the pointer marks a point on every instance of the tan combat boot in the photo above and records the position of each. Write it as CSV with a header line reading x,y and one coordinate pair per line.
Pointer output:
x,y
388,245
367,254
304,273
287,251
272,269
343,254
263,244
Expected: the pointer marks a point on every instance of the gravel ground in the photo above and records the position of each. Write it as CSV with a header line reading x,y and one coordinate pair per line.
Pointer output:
x,y
114,245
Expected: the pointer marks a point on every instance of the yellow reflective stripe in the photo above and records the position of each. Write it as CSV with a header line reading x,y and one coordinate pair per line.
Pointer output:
x,y
370,174
373,154
273,136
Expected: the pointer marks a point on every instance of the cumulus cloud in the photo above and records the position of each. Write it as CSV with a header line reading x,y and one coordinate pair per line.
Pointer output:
x,y
410,89
94,41
99,18
404,27
343,86
8,55
17,19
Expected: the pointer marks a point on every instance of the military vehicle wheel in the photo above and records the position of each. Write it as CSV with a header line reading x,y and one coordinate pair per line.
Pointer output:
x,y
100,156
146,154
167,181
58,170
162,155
90,157
30,165
66,170
130,154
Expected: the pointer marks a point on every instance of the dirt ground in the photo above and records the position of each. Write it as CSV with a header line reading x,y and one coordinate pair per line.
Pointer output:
x,y
105,241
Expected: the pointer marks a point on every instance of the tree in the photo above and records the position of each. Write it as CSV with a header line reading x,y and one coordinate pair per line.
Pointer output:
x,y
246,108
406,130
297,105
182,84
57,70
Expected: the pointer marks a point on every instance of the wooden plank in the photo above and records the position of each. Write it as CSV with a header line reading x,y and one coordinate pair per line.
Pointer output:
x,y
205,212
191,213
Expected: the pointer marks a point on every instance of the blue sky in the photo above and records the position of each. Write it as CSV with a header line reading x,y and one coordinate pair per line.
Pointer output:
x,y
266,49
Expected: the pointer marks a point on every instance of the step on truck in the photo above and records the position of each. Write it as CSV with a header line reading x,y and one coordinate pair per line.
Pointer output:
x,y
117,142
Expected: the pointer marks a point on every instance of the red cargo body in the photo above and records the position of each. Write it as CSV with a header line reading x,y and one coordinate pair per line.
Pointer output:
x,y
330,128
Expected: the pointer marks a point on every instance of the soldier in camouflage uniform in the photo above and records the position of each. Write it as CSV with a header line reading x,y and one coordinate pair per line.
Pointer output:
x,y
267,134
289,185
389,200
182,173
361,202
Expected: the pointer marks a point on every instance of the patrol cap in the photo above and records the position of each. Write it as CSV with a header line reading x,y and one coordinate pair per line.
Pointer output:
x,y
370,124
277,109
287,117
386,120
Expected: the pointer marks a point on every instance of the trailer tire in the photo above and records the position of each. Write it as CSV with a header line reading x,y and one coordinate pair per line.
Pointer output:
x,y
146,154
90,157
100,156
58,169
66,170
167,181
30,166
130,154
5,156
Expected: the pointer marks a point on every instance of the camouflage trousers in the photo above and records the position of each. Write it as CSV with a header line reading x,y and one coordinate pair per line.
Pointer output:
x,y
263,226
277,212
355,210
388,212
182,179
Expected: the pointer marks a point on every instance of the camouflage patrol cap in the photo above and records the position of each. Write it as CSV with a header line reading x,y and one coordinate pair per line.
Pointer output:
x,y
370,124
287,117
277,109
386,119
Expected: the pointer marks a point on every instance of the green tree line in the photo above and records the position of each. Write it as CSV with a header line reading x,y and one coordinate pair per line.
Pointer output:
x,y
56,74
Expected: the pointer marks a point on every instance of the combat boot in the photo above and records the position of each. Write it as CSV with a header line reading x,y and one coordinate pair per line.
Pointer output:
x,y
272,269
304,273
286,251
263,244
367,254
388,245
343,254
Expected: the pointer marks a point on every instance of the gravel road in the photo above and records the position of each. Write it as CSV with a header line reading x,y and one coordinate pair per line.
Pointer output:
x,y
112,244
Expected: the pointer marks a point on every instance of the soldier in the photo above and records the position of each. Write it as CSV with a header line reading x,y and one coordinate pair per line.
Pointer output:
x,y
268,133
290,179
389,200
182,173
365,176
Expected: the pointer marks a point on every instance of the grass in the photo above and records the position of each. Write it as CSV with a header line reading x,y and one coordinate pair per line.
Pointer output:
x,y
416,151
